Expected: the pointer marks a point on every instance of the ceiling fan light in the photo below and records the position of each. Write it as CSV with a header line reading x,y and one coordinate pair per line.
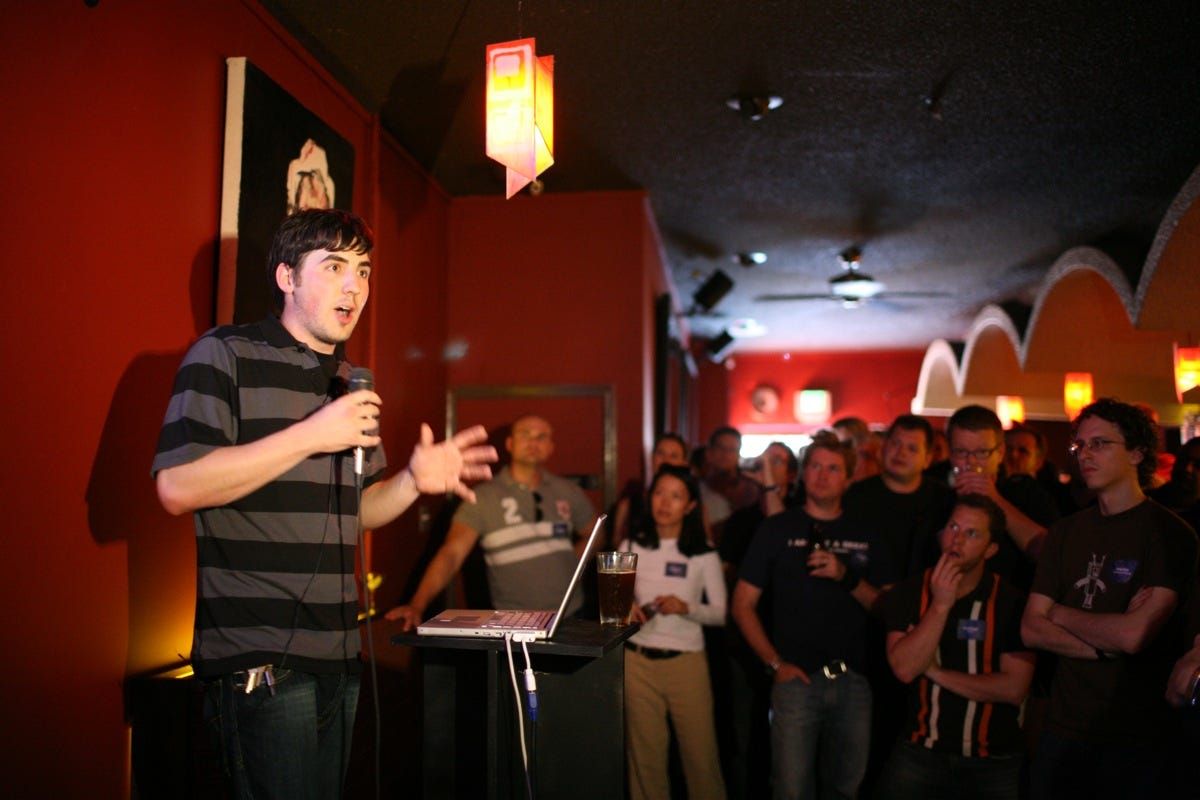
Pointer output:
x,y
855,285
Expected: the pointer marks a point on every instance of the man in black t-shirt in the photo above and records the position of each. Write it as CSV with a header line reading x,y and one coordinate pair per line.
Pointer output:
x,y
954,637
905,509
1109,584
976,456
822,574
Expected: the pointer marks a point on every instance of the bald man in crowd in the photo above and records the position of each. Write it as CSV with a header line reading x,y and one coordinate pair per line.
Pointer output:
x,y
528,522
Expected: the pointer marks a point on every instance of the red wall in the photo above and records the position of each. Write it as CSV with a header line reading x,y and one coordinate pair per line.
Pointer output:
x,y
112,144
874,385
553,290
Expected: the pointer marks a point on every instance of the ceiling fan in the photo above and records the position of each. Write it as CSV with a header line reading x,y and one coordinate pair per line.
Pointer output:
x,y
852,287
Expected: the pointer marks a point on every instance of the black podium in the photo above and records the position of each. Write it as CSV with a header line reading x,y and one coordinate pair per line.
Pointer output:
x,y
471,745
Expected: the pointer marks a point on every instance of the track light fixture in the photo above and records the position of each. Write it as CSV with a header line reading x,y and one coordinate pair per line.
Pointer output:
x,y
711,291
750,258
719,346
754,107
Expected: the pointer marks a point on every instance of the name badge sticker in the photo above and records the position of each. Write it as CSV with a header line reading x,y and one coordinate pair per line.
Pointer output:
x,y
972,630
1123,570
676,569
560,530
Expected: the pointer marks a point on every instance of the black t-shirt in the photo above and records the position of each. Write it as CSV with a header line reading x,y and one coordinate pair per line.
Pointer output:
x,y
906,524
1097,563
981,627
815,619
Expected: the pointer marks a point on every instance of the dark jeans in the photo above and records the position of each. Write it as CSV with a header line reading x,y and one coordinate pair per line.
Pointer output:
x,y
1071,768
918,773
292,745
820,732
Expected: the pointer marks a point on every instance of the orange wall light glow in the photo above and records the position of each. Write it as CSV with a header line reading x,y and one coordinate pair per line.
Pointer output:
x,y
1187,370
1077,392
1010,408
520,111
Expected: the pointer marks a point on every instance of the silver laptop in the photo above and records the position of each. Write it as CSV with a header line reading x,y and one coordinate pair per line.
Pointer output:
x,y
496,624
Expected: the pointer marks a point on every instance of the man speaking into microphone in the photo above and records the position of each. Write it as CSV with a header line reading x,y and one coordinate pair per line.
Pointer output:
x,y
259,442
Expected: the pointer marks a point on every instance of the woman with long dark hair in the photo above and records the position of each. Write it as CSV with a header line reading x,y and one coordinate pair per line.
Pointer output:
x,y
679,588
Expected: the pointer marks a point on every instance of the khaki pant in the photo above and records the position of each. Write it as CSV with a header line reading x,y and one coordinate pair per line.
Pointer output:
x,y
680,687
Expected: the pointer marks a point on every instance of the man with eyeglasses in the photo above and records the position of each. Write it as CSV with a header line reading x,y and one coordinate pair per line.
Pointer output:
x,y
529,523
1105,599
976,456
954,638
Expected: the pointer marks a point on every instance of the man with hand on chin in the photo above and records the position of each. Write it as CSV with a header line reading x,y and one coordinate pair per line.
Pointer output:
x,y
258,444
954,637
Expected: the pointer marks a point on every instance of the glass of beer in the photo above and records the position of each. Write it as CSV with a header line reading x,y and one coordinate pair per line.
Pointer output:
x,y
615,576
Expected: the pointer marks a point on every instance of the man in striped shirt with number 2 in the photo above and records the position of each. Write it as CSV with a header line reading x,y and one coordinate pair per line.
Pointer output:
x,y
954,636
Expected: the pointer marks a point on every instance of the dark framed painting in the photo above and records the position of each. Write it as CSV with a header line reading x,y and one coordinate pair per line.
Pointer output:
x,y
279,158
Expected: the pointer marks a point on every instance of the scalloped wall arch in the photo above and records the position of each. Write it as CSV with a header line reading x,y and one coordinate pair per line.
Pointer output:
x,y
1168,293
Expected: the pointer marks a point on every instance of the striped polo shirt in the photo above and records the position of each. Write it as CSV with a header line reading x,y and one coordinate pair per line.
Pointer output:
x,y
275,569
527,536
981,627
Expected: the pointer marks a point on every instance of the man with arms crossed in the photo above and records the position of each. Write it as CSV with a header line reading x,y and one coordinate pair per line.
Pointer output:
x,y
257,443
530,524
954,636
1109,581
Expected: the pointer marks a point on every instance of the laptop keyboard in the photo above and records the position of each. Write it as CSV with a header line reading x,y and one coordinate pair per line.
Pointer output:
x,y
519,620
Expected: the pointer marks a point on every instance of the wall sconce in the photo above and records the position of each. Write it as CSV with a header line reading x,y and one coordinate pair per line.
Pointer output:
x,y
1077,393
1010,408
520,111
812,406
712,291
719,346
1187,370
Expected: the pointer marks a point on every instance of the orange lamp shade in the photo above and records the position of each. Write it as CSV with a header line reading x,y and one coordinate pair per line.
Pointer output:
x,y
1010,408
520,111
1077,392
1187,370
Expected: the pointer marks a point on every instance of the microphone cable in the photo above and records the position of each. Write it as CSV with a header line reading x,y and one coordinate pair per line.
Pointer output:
x,y
366,594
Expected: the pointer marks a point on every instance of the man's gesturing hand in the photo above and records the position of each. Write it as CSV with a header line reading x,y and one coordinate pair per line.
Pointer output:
x,y
442,468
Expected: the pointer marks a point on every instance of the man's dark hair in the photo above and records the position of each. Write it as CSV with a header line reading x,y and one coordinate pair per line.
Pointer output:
x,y
672,437
912,422
975,419
1137,429
724,430
997,526
1187,460
1039,438
692,539
827,440
314,229
854,427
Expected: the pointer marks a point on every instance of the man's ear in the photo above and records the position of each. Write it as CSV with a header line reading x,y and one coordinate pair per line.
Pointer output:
x,y
992,549
283,278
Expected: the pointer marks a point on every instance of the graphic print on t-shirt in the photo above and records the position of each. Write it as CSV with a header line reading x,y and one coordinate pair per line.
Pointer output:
x,y
1091,581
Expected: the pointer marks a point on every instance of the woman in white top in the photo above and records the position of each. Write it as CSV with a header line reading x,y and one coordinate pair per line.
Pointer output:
x,y
679,588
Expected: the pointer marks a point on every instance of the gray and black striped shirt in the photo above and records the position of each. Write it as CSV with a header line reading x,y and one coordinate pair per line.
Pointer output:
x,y
275,569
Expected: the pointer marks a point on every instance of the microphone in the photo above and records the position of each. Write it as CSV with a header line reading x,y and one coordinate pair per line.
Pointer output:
x,y
360,378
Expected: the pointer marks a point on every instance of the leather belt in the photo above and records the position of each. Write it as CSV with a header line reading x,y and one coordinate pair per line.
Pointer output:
x,y
652,652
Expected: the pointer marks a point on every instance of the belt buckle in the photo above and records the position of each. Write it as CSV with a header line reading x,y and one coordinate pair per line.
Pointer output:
x,y
835,669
